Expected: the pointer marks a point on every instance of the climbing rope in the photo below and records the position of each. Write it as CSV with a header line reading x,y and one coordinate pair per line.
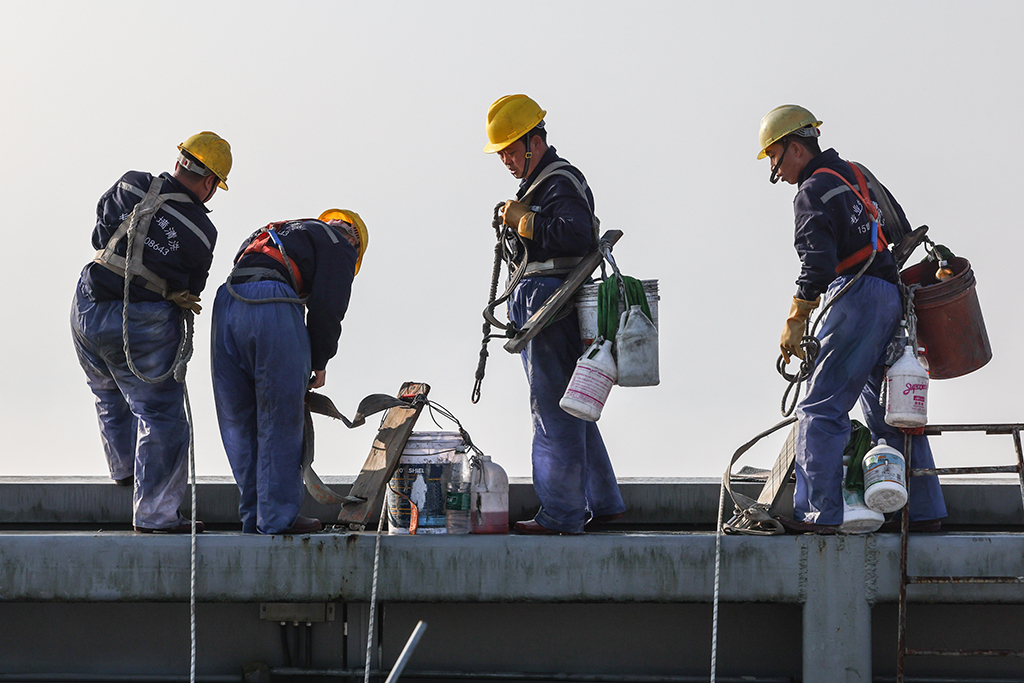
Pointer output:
x,y
177,370
373,591
810,344
511,248
718,573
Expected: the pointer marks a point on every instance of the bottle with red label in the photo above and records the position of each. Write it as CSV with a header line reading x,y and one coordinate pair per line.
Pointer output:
x,y
906,385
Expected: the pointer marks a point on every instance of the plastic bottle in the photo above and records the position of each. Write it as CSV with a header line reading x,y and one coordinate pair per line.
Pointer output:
x,y
858,518
636,343
944,272
921,351
591,382
885,478
906,384
456,501
488,498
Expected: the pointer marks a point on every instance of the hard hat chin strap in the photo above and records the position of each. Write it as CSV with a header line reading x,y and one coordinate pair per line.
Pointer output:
x,y
774,178
528,155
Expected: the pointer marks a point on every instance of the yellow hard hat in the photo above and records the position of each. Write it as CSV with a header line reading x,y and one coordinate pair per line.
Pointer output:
x,y
780,122
352,218
510,118
213,152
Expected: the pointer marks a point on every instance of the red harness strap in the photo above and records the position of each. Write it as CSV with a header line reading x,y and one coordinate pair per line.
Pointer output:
x,y
865,198
264,245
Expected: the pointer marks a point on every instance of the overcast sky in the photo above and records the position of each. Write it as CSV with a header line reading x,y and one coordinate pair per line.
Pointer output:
x,y
380,107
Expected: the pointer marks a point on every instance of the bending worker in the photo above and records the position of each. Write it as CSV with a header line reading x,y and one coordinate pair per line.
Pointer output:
x,y
265,355
554,213
833,240
143,424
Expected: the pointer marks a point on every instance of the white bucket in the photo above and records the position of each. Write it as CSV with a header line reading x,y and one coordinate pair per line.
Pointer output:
x,y
419,477
858,518
586,308
591,382
885,478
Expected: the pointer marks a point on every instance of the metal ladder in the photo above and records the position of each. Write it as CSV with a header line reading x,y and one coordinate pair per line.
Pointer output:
x,y
905,579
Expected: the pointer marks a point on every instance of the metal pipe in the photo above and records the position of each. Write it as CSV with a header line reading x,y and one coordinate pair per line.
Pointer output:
x,y
116,678
410,647
536,677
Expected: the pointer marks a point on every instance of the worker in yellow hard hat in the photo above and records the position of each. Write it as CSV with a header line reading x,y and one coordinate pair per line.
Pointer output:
x,y
553,213
142,422
266,354
846,270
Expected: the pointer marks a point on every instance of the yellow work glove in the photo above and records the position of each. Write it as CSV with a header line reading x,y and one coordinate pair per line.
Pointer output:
x,y
796,323
518,215
186,299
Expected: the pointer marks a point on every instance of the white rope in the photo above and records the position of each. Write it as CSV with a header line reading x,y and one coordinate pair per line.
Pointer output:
x,y
373,591
718,573
192,567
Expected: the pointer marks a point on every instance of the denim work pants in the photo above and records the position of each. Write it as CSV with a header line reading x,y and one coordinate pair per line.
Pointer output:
x,y
571,469
854,336
142,426
260,362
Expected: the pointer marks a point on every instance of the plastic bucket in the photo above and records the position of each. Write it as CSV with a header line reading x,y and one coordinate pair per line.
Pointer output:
x,y
586,308
949,321
419,478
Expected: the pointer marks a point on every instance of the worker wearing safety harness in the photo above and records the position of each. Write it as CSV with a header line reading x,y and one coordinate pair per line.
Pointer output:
x,y
835,207
554,212
276,323
143,425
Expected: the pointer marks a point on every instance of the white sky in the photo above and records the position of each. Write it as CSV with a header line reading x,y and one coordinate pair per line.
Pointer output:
x,y
380,107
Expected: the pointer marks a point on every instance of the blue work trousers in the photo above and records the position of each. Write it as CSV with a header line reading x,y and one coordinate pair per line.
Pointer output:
x,y
854,336
142,426
260,362
572,473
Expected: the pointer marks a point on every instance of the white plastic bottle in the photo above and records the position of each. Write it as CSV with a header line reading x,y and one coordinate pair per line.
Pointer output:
x,y
591,382
906,385
858,518
885,478
636,346
456,502
488,498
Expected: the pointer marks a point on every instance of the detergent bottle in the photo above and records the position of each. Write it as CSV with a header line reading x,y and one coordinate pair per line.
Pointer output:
x,y
906,384
636,346
885,478
591,382
488,498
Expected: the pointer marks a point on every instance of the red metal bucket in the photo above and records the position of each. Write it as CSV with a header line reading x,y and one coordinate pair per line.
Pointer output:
x,y
949,321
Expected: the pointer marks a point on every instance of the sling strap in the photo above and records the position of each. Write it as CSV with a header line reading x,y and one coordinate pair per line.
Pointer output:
x,y
142,214
865,197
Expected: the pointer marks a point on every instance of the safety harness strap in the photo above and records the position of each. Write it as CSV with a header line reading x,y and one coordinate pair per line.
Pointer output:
x,y
173,197
865,197
265,244
559,168
142,213
553,266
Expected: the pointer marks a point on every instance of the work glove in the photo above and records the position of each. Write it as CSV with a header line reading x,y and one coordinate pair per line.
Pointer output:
x,y
185,299
796,323
518,215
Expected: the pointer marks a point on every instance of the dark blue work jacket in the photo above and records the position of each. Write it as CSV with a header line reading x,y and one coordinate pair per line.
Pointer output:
x,y
832,224
326,262
563,226
179,247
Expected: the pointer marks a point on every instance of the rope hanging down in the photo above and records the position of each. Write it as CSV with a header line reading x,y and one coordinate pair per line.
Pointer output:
x,y
177,370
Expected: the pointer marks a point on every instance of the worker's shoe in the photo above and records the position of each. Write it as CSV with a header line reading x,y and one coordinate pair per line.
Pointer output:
x,y
794,527
916,526
184,526
304,525
598,520
535,528
127,481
